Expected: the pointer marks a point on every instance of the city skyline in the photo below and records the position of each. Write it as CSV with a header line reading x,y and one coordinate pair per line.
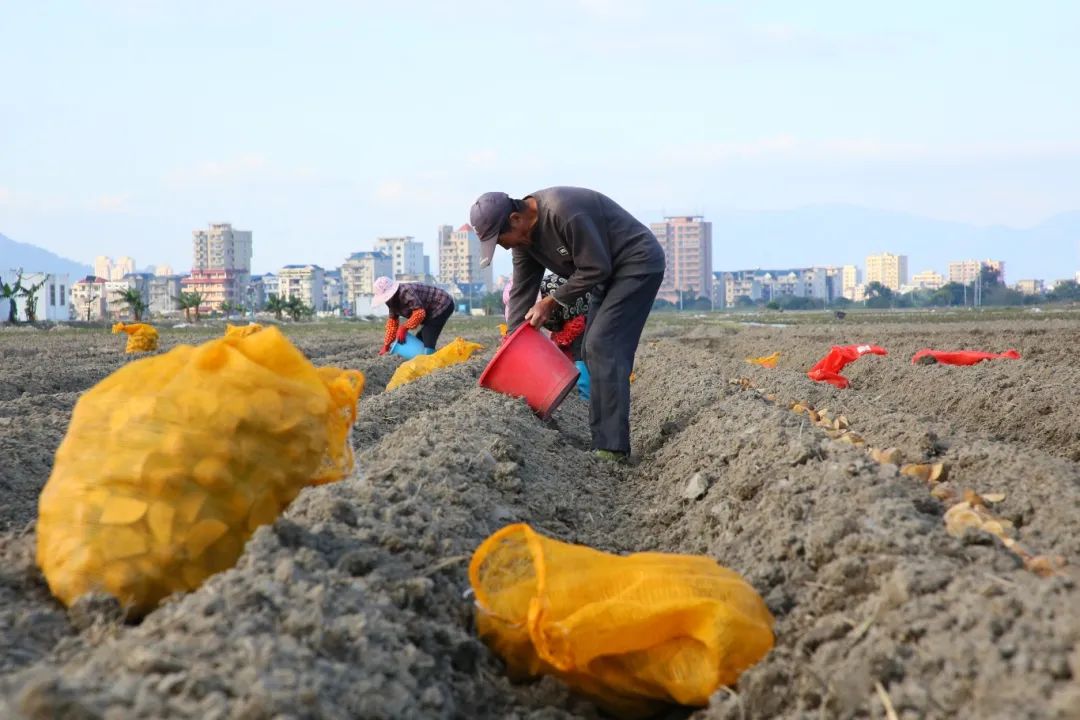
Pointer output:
x,y
398,248
745,241
221,259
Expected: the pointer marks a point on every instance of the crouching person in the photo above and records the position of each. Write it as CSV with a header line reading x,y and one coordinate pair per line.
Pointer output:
x,y
567,326
422,306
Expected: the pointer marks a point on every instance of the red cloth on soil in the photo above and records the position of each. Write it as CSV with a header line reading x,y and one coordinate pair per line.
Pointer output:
x,y
963,357
828,368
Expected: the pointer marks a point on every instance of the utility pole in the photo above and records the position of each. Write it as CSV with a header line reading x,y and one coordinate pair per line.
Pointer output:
x,y
90,298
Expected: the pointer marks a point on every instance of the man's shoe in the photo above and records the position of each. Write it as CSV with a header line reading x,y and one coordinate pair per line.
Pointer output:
x,y
611,456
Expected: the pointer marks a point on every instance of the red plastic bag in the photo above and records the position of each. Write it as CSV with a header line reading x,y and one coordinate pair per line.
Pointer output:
x,y
828,368
960,357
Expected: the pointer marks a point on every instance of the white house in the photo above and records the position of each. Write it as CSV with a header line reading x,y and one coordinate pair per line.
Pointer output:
x,y
50,300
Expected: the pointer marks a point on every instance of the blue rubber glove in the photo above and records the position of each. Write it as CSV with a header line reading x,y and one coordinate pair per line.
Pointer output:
x,y
583,380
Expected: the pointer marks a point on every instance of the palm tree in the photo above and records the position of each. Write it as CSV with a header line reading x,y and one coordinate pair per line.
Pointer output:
x,y
133,299
296,308
190,301
30,293
276,304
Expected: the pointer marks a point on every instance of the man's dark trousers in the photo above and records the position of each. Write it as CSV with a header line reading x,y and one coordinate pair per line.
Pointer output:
x,y
617,313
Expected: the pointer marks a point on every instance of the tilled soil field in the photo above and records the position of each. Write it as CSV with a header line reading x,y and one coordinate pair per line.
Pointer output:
x,y
353,604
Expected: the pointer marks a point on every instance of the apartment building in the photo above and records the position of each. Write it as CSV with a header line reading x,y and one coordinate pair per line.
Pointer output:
x,y
687,244
269,286
406,255
222,248
105,267
459,258
1031,287
967,272
217,287
888,269
756,285
928,280
304,282
850,276
358,274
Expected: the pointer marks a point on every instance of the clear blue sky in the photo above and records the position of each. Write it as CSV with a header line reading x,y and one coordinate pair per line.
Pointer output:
x,y
125,124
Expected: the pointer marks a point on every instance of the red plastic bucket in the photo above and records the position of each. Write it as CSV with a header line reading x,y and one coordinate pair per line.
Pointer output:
x,y
529,365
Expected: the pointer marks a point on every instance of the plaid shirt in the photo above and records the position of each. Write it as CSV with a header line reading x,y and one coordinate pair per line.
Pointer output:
x,y
411,297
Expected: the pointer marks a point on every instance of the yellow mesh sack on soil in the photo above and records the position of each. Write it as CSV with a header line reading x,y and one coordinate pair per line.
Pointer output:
x,y
632,632
171,463
141,337
242,330
456,352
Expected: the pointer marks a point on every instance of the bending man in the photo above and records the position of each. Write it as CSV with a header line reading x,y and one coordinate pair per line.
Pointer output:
x,y
604,252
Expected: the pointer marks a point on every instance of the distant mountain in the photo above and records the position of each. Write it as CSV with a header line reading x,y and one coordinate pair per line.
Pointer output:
x,y
15,255
844,235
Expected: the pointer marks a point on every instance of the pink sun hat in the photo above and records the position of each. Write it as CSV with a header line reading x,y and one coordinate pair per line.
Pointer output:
x,y
384,288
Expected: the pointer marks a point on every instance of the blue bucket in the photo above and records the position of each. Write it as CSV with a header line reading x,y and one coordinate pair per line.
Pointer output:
x,y
412,347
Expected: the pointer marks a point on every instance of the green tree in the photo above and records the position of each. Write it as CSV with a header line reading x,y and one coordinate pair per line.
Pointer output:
x,y
492,304
30,293
687,297
228,308
989,277
297,309
191,301
1000,295
134,300
11,291
1066,291
878,296
276,304
948,295
744,301
792,302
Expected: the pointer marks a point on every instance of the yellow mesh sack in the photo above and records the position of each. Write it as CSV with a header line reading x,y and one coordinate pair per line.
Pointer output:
x,y
632,632
171,463
242,330
141,337
456,352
